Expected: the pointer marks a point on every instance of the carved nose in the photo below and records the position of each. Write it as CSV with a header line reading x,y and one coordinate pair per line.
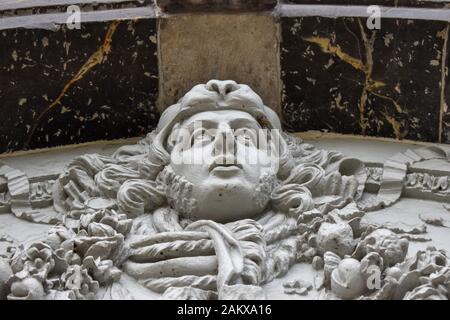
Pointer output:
x,y
222,87
224,147
224,142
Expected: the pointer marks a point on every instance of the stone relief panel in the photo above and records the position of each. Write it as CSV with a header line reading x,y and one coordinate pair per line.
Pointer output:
x,y
339,76
72,86
220,226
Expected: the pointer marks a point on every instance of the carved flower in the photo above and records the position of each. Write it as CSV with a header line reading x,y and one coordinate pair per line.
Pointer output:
x,y
387,244
109,218
103,271
425,292
431,259
59,237
300,287
103,247
436,288
77,279
37,261
64,258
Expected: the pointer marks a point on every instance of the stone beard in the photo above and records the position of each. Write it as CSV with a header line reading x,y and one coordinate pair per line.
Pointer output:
x,y
180,193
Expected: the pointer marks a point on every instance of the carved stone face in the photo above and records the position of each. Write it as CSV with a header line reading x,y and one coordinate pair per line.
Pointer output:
x,y
220,155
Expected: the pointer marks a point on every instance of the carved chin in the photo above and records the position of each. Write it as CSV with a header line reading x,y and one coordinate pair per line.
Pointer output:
x,y
216,201
228,203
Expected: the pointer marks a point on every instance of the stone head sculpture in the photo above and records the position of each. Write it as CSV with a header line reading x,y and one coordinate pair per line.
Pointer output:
x,y
213,141
213,203
208,169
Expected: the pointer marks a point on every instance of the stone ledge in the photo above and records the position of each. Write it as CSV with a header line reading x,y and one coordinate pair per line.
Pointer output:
x,y
336,11
50,21
389,3
178,6
28,7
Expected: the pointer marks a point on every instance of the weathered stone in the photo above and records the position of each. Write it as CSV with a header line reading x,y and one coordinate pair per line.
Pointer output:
x,y
347,281
242,292
27,289
196,48
317,263
5,273
335,237
213,229
387,244
299,286
407,282
188,293
331,262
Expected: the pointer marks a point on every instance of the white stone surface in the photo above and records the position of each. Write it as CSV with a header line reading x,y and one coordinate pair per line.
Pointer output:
x,y
157,225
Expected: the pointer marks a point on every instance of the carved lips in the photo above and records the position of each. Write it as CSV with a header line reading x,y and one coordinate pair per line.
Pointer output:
x,y
225,170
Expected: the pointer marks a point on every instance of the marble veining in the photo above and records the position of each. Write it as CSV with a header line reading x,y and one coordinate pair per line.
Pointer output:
x,y
78,83
383,82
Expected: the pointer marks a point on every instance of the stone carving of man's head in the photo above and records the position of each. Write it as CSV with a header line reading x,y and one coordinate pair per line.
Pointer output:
x,y
221,148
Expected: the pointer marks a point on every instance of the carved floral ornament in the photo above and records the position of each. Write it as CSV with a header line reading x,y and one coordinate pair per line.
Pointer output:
x,y
204,207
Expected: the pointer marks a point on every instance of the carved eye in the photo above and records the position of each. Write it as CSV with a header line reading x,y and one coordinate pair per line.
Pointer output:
x,y
247,137
200,137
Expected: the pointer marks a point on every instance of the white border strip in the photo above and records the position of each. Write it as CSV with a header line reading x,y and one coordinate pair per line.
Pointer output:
x,y
31,4
48,21
334,11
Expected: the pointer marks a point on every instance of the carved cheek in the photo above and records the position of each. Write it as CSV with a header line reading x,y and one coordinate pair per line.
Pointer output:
x,y
266,160
247,155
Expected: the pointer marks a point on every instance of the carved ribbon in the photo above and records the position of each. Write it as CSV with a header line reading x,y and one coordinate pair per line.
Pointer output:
x,y
228,251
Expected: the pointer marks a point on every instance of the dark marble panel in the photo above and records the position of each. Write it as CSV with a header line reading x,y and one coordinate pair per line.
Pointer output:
x,y
340,76
445,125
73,86
389,3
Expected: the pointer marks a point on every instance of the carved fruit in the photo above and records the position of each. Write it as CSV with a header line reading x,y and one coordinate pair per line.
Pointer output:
x,y
347,281
388,245
335,237
27,289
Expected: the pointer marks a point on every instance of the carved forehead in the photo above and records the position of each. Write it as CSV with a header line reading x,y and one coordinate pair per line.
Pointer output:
x,y
234,117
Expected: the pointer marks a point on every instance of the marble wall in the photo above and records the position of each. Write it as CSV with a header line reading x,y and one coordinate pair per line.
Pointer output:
x,y
319,69
67,86
342,77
